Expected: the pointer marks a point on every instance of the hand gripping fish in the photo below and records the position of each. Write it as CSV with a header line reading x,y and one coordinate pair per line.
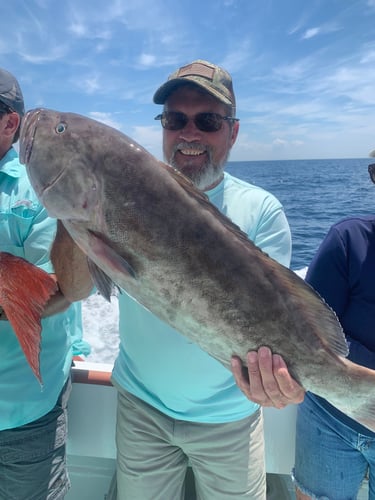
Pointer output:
x,y
24,291
147,229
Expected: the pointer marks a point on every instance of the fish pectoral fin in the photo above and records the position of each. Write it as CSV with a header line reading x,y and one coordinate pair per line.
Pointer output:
x,y
112,261
103,283
24,291
111,258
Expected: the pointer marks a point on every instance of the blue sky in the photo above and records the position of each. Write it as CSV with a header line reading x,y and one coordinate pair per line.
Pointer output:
x,y
303,70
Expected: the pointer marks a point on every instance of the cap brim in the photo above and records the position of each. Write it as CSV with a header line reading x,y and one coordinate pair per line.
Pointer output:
x,y
163,92
16,106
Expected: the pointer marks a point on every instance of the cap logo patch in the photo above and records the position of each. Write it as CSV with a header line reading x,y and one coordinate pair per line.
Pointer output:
x,y
197,69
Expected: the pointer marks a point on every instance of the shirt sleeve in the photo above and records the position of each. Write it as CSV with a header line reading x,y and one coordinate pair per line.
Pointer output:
x,y
328,272
38,242
274,238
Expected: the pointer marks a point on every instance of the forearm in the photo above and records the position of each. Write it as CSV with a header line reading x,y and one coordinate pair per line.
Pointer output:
x,y
70,264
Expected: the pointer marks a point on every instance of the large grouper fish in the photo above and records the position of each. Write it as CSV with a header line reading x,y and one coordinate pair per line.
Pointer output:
x,y
147,229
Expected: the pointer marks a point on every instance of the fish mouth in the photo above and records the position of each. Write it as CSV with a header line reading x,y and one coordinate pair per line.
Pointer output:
x,y
27,134
29,126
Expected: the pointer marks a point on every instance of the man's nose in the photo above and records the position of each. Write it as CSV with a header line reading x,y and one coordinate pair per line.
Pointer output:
x,y
190,132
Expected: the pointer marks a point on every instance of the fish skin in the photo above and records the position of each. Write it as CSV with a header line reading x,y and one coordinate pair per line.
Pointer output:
x,y
24,291
146,228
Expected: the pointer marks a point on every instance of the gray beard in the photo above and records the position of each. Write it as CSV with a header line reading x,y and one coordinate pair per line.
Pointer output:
x,y
210,175
205,177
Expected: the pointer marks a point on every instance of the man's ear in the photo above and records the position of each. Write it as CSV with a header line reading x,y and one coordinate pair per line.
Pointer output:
x,y
12,123
235,129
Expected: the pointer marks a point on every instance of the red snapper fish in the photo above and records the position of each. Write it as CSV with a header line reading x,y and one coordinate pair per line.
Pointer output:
x,y
24,291
147,229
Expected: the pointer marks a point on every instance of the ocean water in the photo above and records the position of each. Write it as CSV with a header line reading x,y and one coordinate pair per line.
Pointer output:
x,y
314,193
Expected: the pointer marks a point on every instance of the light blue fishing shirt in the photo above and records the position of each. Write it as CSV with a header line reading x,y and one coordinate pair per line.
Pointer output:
x,y
165,369
27,231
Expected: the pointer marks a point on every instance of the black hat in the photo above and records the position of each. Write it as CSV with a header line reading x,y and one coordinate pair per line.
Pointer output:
x,y
10,92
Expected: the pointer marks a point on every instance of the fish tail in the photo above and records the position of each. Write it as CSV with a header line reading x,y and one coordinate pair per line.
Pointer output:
x,y
360,395
24,291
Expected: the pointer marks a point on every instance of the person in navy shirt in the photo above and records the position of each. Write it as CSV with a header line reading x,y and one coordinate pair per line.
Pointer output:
x,y
333,452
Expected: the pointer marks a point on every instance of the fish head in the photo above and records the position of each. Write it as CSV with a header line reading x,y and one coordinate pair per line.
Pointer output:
x,y
60,162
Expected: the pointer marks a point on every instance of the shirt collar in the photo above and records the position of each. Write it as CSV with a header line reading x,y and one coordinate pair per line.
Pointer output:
x,y
10,165
217,188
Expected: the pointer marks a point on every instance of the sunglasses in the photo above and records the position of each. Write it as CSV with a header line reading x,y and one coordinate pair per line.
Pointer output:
x,y
206,122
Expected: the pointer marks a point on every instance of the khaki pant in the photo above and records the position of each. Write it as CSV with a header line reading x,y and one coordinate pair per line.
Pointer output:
x,y
154,451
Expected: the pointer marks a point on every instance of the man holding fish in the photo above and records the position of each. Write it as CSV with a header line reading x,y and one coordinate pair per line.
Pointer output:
x,y
33,422
197,290
176,404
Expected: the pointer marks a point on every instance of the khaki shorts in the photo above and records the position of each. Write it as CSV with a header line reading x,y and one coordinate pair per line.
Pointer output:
x,y
154,451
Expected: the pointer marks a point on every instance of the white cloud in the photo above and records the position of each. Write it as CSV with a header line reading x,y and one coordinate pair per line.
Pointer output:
x,y
150,138
52,54
369,56
237,58
78,29
279,142
106,118
294,71
147,60
310,33
321,30
89,85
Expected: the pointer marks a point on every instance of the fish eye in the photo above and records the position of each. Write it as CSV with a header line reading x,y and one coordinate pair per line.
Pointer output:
x,y
61,127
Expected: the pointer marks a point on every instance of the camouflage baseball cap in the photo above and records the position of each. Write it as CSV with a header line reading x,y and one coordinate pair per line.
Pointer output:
x,y
214,79
10,92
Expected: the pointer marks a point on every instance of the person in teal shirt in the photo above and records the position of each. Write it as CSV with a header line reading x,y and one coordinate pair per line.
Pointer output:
x,y
33,423
176,404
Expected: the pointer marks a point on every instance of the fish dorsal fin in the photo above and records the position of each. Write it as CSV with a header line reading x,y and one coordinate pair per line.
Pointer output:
x,y
335,336
203,199
318,312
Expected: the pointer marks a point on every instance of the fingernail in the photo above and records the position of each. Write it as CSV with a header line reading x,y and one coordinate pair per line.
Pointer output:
x,y
264,352
252,356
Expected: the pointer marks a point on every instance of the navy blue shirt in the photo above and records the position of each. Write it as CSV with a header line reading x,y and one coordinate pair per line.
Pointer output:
x,y
343,273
